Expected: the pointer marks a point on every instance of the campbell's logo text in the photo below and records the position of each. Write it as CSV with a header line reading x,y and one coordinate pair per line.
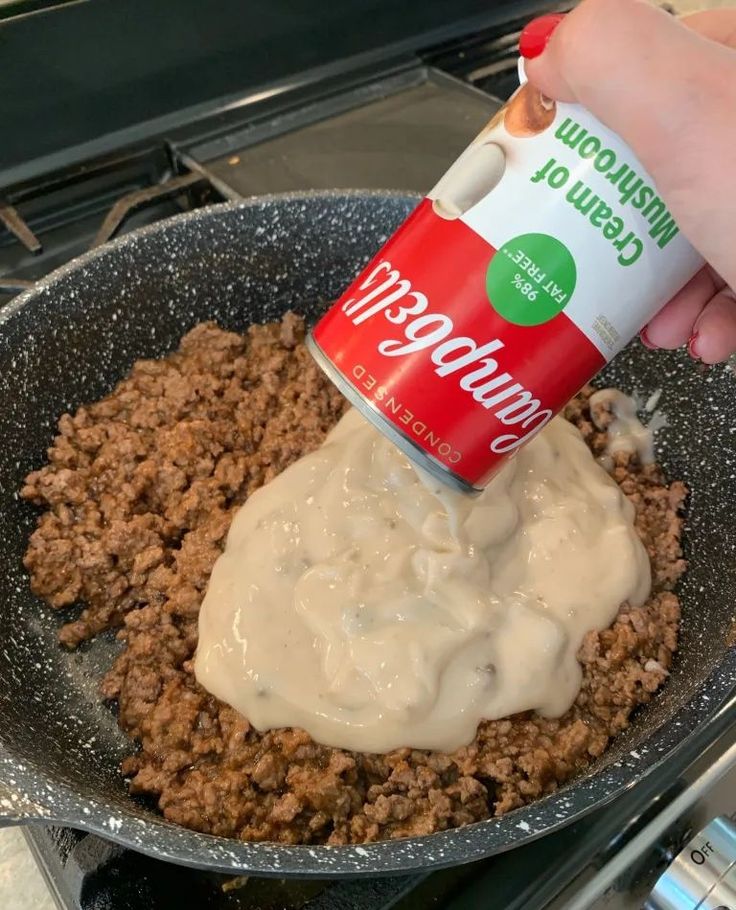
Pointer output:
x,y
459,358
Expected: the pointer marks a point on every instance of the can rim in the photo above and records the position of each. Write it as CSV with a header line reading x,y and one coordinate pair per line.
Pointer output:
x,y
403,442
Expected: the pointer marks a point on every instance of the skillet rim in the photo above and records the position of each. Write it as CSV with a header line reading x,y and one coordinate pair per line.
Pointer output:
x,y
38,797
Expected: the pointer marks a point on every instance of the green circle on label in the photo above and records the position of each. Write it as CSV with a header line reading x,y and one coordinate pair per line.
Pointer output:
x,y
531,279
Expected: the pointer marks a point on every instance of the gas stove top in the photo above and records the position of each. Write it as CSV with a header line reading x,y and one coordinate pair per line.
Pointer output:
x,y
394,123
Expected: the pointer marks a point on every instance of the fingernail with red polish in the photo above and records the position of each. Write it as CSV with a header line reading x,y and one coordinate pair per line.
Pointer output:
x,y
644,338
692,346
536,34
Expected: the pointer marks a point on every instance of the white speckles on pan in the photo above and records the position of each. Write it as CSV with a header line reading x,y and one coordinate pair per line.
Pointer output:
x,y
70,339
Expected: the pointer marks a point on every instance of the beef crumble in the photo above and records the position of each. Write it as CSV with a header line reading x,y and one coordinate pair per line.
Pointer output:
x,y
139,493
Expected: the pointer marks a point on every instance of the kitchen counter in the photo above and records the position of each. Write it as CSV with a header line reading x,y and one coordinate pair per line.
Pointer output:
x,y
21,885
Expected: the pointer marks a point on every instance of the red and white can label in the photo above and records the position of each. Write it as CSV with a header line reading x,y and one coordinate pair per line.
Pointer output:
x,y
540,253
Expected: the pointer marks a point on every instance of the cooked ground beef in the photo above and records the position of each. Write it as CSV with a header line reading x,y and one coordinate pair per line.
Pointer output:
x,y
139,493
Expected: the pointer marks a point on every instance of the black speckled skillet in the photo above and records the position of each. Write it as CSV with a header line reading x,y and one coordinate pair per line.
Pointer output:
x,y
71,338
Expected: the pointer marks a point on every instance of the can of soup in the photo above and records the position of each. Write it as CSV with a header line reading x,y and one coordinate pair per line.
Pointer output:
x,y
540,253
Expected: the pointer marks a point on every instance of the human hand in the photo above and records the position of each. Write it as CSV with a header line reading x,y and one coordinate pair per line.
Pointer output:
x,y
668,88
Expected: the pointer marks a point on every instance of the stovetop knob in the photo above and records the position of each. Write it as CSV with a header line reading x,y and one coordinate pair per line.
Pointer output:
x,y
703,874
